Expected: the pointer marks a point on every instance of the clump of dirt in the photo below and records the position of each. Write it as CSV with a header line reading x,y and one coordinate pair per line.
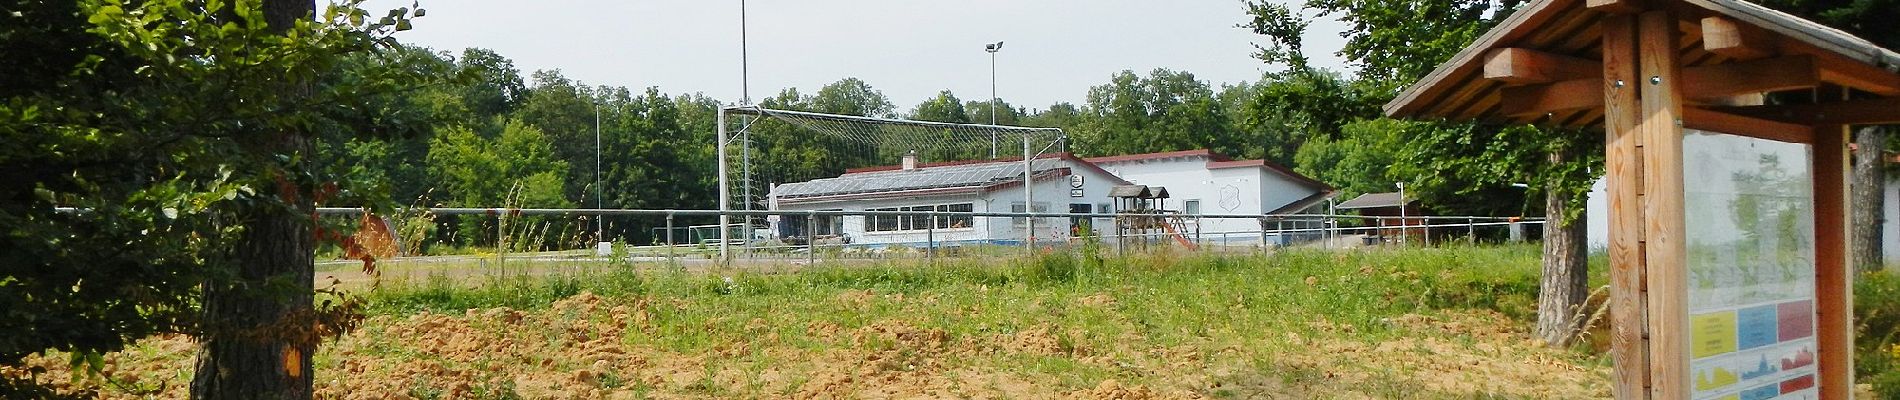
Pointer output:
x,y
1098,300
1114,390
855,299
1043,339
1458,354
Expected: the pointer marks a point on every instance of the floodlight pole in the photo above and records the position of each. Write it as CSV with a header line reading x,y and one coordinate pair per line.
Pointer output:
x,y
600,222
992,49
725,189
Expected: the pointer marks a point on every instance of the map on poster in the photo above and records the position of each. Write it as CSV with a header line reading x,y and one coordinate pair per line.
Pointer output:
x,y
1749,210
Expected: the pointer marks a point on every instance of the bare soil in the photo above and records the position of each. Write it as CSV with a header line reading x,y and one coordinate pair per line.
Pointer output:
x,y
589,347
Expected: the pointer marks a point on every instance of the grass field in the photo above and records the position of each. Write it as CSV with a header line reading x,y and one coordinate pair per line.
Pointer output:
x,y
1409,323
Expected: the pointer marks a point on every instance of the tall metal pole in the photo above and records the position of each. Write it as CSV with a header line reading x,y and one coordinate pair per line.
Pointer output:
x,y
1029,195
994,100
600,220
1403,222
725,189
745,75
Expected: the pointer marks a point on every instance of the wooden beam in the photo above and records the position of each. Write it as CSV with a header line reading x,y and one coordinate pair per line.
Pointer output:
x,y
1623,180
1713,121
1833,268
1860,76
1724,36
1664,241
1841,70
1526,66
1881,111
1757,76
1710,82
1543,99
1617,6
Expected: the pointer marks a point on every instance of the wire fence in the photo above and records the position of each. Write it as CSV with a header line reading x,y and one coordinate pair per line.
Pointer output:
x,y
543,239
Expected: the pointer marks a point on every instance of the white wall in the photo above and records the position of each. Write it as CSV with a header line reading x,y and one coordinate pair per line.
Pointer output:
x,y
1056,195
1890,221
1188,178
1054,192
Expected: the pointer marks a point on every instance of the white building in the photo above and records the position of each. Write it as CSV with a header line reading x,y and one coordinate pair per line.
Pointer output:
x,y
1063,183
1200,181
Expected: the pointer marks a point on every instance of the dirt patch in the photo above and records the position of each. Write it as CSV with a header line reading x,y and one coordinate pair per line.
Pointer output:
x,y
591,347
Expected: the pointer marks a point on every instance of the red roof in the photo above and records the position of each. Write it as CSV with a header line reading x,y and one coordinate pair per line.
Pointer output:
x,y
951,163
1155,156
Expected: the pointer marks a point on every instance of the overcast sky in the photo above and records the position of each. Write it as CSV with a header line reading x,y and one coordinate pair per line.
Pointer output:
x,y
1054,49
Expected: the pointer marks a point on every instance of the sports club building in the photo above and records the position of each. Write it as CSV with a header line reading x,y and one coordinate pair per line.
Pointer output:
x,y
1200,183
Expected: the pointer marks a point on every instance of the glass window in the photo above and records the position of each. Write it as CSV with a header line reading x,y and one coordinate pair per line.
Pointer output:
x,y
1017,207
1191,207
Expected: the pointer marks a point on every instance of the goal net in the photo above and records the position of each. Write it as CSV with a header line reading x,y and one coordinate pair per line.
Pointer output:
x,y
799,156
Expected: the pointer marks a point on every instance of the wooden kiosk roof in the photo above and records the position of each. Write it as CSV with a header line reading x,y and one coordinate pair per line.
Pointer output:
x,y
1644,72
1542,64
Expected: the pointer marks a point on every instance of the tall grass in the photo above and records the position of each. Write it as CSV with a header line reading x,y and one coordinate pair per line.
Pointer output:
x,y
1359,286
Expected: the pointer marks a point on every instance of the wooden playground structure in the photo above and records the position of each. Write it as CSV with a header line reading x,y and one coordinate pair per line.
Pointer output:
x,y
1142,217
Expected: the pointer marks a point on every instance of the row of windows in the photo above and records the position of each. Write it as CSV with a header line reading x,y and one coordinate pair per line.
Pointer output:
x,y
920,221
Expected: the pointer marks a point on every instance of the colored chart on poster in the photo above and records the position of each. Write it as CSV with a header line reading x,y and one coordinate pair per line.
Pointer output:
x,y
1750,237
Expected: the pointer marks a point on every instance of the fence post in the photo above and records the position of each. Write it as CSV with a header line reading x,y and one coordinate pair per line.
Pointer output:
x,y
930,239
1471,229
670,244
1427,229
811,237
501,241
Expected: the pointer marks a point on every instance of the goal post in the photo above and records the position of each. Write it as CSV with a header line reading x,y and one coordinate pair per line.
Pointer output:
x,y
781,146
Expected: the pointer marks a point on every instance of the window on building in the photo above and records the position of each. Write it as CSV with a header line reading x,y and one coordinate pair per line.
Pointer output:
x,y
1191,207
956,221
916,218
1017,207
1104,208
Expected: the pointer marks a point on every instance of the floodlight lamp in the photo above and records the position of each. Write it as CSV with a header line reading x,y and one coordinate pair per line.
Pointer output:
x,y
993,47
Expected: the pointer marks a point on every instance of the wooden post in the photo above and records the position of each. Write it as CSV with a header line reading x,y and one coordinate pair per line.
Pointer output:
x,y
1833,271
1664,241
1629,348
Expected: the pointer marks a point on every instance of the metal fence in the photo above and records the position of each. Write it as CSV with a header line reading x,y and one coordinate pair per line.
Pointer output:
x,y
501,235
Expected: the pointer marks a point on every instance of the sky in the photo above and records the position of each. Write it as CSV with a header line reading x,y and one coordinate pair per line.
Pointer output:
x,y
1053,51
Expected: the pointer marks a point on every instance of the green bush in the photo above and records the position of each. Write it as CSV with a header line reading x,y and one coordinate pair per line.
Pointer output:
x,y
1877,322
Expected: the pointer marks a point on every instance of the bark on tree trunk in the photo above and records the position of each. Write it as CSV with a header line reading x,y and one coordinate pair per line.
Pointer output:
x,y
1565,283
1869,191
257,346
258,342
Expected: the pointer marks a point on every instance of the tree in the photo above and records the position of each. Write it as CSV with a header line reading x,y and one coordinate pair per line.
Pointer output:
x,y
852,96
943,108
180,138
979,111
1394,44
1163,111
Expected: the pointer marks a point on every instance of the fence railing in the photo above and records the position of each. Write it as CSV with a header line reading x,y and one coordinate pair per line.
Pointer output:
x,y
675,236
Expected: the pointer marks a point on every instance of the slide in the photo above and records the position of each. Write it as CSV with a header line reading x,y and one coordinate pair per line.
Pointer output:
x,y
1178,237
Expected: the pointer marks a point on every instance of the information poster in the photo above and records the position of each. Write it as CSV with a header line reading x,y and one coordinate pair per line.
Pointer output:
x,y
1749,208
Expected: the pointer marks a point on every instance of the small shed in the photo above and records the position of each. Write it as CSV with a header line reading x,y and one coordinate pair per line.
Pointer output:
x,y
1729,267
1387,210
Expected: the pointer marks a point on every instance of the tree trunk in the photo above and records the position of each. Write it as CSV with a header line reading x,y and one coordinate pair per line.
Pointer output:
x,y
1869,191
257,340
1565,283
257,343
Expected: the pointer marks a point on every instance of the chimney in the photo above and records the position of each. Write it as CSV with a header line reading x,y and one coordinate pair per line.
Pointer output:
x,y
910,160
